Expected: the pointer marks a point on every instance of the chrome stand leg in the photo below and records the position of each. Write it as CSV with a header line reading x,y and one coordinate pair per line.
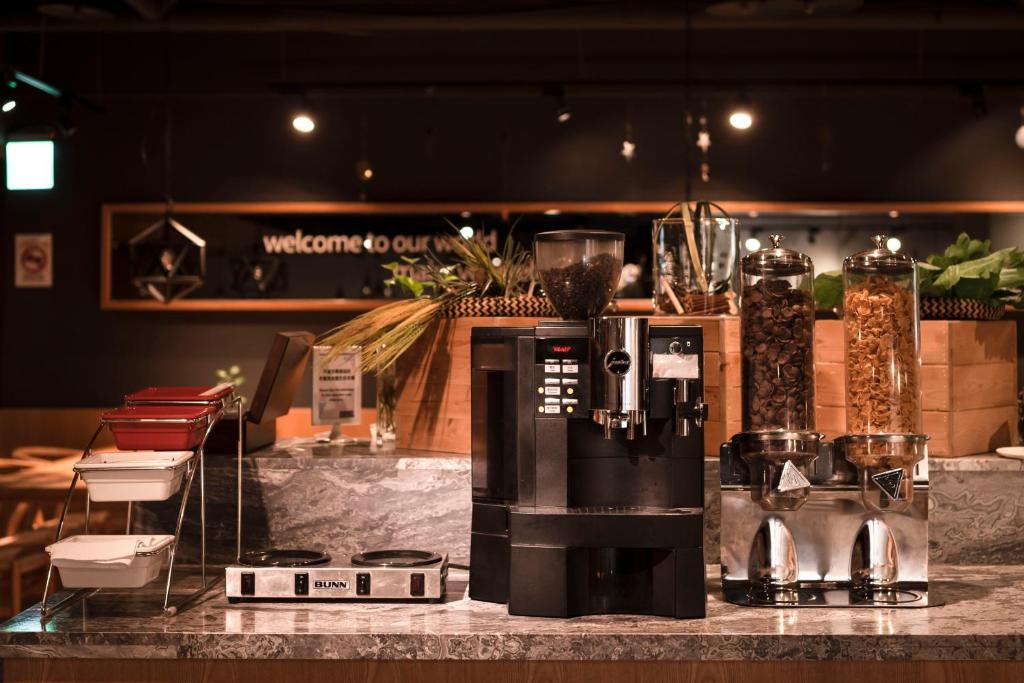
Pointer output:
x,y
45,610
238,513
202,512
169,610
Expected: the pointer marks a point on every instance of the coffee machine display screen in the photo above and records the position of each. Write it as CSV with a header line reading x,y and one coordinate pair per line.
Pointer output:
x,y
562,348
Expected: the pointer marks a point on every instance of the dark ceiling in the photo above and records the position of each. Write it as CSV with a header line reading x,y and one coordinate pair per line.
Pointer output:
x,y
435,15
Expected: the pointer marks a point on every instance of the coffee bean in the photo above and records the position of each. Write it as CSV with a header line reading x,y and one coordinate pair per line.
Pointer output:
x,y
778,376
582,290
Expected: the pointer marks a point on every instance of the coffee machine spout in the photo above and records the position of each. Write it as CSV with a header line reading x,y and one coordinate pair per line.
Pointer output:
x,y
690,410
629,420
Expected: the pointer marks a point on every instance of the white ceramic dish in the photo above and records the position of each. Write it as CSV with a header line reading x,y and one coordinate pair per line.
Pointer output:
x,y
133,475
1016,452
97,570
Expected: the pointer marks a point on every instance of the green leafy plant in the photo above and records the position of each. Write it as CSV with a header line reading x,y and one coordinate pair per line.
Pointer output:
x,y
828,290
967,269
233,375
385,333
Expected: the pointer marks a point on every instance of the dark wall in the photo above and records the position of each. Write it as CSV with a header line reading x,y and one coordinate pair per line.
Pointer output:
x,y
230,140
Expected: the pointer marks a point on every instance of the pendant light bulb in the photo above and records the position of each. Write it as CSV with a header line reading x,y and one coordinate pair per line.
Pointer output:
x,y
364,171
741,119
740,116
563,114
304,123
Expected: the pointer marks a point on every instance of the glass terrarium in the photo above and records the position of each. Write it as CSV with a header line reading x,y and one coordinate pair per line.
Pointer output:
x,y
579,269
695,264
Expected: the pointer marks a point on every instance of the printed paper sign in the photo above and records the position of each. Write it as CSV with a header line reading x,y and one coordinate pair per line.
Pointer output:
x,y
337,387
33,260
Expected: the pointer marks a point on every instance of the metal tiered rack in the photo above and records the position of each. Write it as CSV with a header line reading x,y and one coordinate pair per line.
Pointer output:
x,y
193,464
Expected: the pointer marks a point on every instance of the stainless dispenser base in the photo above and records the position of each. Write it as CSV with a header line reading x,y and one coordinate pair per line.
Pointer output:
x,y
828,595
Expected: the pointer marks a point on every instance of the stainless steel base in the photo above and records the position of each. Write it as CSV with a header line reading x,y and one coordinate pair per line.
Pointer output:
x,y
342,581
828,595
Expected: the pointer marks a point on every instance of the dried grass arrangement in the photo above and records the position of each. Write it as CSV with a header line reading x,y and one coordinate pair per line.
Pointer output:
x,y
385,333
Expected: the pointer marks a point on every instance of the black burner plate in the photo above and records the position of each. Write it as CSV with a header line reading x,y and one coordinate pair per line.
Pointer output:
x,y
285,557
395,558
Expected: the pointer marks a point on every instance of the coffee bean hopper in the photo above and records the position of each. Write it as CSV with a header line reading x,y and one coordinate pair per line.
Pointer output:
x,y
812,524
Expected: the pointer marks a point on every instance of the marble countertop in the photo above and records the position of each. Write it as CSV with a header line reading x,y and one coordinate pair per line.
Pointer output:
x,y
298,452
983,619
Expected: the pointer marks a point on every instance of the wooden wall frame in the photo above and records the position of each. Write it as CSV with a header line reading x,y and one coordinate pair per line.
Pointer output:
x,y
505,209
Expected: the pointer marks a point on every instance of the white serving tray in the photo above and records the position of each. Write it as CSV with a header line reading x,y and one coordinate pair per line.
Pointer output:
x,y
101,573
133,475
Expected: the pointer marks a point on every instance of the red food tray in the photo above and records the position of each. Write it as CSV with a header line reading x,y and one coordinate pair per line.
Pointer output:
x,y
180,395
158,428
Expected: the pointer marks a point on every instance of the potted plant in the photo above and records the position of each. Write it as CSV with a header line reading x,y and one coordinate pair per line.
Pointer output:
x,y
967,281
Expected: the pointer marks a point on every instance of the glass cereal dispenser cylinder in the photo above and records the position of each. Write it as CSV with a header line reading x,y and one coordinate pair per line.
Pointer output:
x,y
777,340
778,441
883,358
883,349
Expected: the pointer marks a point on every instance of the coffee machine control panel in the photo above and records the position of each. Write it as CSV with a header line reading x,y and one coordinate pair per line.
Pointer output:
x,y
562,372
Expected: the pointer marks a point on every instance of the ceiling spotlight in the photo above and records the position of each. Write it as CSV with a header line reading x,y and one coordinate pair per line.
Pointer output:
x,y
8,105
894,214
303,122
752,244
553,212
466,231
364,172
893,244
740,116
1019,137
741,119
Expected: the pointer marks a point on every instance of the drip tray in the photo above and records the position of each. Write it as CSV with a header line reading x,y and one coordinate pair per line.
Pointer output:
x,y
828,595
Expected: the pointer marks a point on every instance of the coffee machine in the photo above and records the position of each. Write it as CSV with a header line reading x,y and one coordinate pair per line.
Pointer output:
x,y
812,524
587,456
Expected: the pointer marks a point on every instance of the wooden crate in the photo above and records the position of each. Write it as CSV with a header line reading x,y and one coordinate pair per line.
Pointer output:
x,y
968,384
433,408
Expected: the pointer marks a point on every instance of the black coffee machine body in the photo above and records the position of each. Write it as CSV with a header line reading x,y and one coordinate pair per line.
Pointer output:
x,y
587,458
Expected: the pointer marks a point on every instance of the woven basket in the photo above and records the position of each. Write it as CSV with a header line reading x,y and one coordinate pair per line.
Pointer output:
x,y
935,308
500,307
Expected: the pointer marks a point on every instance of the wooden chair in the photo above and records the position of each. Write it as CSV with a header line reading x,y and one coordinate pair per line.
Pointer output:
x,y
44,453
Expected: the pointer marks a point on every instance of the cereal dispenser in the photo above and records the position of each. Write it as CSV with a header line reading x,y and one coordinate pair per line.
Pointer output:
x,y
883,359
778,441
813,524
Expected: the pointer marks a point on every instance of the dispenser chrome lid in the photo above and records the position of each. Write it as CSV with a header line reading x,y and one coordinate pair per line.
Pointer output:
x,y
776,441
880,259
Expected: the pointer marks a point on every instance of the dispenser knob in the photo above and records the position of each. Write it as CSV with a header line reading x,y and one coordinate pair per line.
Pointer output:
x,y
890,482
791,479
